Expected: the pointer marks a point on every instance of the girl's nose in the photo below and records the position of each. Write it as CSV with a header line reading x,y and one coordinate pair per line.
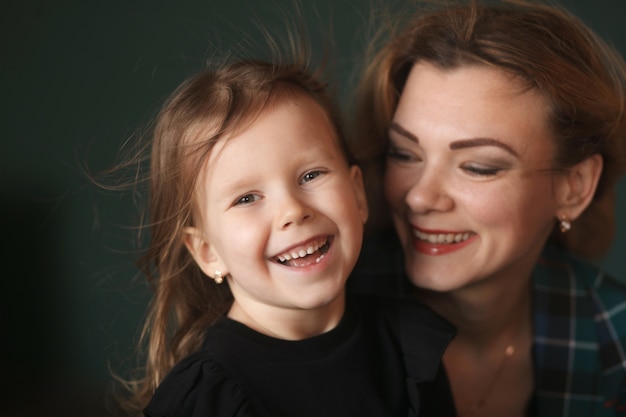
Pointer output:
x,y
293,211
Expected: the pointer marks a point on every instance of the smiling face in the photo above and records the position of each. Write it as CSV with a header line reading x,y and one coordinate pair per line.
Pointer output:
x,y
282,212
467,176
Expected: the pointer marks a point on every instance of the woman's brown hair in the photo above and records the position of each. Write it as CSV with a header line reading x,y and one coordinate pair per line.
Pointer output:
x,y
543,46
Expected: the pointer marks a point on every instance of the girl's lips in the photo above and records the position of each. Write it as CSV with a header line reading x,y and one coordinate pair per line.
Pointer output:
x,y
437,243
305,255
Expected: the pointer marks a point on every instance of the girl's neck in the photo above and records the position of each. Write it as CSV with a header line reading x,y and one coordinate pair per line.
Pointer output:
x,y
289,324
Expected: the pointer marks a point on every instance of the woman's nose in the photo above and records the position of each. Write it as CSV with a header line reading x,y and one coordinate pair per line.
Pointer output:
x,y
429,192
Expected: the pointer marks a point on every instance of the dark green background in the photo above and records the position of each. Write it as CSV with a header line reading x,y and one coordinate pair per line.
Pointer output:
x,y
77,79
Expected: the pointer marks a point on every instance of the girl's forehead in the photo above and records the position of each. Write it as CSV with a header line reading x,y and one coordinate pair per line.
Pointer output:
x,y
296,113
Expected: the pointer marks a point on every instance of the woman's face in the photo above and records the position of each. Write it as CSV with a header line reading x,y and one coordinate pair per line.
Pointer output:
x,y
468,178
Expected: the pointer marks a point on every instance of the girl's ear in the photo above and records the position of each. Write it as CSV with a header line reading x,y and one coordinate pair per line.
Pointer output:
x,y
576,188
359,191
203,252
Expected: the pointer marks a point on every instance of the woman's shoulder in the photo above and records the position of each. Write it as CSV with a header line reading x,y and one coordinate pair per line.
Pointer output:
x,y
598,295
197,385
562,269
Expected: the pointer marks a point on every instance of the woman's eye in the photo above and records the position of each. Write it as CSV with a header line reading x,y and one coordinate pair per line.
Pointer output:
x,y
481,170
247,199
400,155
310,176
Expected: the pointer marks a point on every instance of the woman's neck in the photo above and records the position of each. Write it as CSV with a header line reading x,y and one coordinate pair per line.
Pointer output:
x,y
484,312
489,362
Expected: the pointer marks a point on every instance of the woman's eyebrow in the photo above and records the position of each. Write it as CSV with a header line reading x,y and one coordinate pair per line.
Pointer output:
x,y
402,131
458,144
470,143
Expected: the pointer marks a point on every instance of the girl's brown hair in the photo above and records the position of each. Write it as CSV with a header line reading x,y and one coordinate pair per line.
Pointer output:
x,y
546,48
210,106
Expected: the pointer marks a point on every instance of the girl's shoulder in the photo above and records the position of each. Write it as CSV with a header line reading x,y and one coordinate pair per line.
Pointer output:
x,y
398,311
198,385
417,332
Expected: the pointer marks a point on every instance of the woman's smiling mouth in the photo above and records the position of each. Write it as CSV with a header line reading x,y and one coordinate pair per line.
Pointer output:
x,y
441,237
440,243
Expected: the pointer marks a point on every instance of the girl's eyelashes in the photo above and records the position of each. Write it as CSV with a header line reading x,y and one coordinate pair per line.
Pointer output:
x,y
247,199
310,176
250,198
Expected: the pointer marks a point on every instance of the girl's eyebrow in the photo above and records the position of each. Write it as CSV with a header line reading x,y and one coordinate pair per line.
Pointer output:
x,y
458,144
470,143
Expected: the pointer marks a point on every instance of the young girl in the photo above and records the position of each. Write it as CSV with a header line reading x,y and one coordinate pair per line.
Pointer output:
x,y
256,215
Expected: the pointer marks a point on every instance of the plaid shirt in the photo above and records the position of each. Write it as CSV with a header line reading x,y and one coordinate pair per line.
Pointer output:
x,y
579,325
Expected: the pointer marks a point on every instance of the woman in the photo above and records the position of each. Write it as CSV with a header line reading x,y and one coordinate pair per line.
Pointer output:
x,y
499,128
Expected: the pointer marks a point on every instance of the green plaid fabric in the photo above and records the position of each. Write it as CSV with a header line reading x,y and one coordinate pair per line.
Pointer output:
x,y
580,337
579,322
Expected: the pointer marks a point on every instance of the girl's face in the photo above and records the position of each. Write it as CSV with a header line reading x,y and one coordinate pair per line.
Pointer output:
x,y
467,176
282,212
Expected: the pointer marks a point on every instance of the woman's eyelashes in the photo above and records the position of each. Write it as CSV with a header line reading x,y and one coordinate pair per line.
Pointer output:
x,y
401,155
479,170
474,169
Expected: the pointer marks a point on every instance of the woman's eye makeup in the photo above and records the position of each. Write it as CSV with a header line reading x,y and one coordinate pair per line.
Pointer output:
x,y
475,169
487,166
481,170
399,154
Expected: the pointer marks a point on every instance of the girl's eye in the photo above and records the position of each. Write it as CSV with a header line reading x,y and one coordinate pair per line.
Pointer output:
x,y
247,199
310,176
481,170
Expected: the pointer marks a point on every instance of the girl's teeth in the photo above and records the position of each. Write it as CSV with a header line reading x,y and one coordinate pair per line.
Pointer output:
x,y
301,252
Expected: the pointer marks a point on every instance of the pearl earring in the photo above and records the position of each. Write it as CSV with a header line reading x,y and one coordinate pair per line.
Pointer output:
x,y
218,278
564,223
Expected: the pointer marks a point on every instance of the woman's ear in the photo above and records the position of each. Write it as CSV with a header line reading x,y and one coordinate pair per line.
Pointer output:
x,y
577,187
203,252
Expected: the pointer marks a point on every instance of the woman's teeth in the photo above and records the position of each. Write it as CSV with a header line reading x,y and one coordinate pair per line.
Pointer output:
x,y
442,237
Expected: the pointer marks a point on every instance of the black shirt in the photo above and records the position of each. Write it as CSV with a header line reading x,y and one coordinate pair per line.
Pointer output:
x,y
371,364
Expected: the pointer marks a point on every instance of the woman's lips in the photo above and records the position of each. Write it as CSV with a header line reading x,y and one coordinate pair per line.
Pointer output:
x,y
440,243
